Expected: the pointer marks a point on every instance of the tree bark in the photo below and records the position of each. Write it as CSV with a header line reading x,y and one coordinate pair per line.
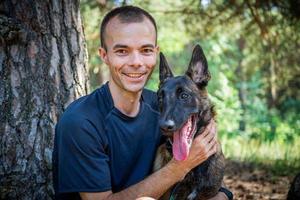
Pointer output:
x,y
273,86
242,90
42,69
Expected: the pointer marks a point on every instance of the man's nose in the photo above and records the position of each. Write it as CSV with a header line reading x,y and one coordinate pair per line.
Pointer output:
x,y
167,125
135,59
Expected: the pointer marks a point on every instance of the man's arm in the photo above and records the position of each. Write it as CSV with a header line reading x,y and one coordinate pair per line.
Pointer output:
x,y
154,186
160,181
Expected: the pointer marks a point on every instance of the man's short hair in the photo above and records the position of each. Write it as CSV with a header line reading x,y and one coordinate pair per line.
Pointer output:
x,y
126,14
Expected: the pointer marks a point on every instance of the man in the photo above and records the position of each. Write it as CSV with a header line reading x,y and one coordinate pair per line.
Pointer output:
x,y
105,142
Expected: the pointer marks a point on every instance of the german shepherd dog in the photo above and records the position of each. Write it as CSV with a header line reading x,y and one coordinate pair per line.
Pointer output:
x,y
185,110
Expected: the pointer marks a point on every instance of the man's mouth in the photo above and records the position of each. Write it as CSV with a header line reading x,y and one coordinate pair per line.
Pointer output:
x,y
134,75
183,138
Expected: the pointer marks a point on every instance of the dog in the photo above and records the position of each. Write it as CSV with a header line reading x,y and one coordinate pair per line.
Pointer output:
x,y
185,110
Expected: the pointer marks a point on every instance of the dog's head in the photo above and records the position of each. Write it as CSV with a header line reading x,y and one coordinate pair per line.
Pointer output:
x,y
183,102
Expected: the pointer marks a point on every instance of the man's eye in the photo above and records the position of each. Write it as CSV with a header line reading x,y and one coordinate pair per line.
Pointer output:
x,y
121,51
147,50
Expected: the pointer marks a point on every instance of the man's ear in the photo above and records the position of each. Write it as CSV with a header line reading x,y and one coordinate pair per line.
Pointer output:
x,y
164,69
157,48
198,68
103,55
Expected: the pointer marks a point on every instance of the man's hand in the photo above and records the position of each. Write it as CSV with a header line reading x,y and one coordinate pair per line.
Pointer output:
x,y
202,148
204,145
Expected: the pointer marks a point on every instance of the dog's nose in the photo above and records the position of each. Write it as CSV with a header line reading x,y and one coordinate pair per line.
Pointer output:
x,y
167,125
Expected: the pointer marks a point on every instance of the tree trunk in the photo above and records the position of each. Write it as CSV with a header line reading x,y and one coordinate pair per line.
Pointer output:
x,y
242,90
42,69
273,79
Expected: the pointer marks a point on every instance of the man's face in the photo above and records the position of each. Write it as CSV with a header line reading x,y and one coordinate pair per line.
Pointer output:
x,y
130,54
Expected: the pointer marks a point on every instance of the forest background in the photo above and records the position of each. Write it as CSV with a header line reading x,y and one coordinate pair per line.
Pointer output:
x,y
253,52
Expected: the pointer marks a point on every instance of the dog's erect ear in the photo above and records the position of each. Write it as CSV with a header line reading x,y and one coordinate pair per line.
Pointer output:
x,y
164,69
198,68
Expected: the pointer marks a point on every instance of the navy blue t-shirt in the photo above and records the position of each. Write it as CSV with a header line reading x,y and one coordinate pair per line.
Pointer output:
x,y
97,148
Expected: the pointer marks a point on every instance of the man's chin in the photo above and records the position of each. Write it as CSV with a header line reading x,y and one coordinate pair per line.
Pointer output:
x,y
135,88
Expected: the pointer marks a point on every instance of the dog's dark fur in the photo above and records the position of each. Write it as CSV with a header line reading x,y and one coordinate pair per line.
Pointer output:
x,y
294,191
179,98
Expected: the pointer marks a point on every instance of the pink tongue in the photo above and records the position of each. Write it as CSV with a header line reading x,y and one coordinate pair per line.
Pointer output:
x,y
180,144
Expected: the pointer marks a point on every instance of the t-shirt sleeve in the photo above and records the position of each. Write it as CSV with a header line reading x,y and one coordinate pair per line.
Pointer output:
x,y
83,164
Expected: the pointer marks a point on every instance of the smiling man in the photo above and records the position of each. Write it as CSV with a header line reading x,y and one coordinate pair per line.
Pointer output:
x,y
129,50
105,142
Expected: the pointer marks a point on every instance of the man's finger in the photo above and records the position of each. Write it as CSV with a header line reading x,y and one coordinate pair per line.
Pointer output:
x,y
205,132
207,129
214,133
210,136
213,149
211,144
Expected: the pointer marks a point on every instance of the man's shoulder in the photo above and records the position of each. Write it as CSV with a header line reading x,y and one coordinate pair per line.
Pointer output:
x,y
149,92
80,122
93,103
91,107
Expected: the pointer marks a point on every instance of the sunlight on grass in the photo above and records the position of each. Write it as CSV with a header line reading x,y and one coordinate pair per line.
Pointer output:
x,y
277,155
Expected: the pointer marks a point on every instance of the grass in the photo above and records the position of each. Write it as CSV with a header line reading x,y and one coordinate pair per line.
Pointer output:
x,y
280,158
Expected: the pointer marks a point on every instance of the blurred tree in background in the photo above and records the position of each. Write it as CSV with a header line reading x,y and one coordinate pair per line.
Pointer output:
x,y
253,50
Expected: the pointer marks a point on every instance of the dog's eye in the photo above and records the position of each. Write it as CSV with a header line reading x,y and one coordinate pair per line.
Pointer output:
x,y
184,95
160,100
160,106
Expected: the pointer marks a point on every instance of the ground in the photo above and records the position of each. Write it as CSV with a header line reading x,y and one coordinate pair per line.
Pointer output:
x,y
248,182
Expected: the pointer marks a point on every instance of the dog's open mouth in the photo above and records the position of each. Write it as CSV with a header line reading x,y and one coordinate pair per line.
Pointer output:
x,y
183,138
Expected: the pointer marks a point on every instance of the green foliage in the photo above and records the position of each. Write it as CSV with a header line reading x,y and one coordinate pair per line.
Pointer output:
x,y
281,158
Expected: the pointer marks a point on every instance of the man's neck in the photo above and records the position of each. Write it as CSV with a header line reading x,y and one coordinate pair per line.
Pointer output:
x,y
127,102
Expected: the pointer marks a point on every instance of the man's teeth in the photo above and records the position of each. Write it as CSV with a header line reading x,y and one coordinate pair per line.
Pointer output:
x,y
134,75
